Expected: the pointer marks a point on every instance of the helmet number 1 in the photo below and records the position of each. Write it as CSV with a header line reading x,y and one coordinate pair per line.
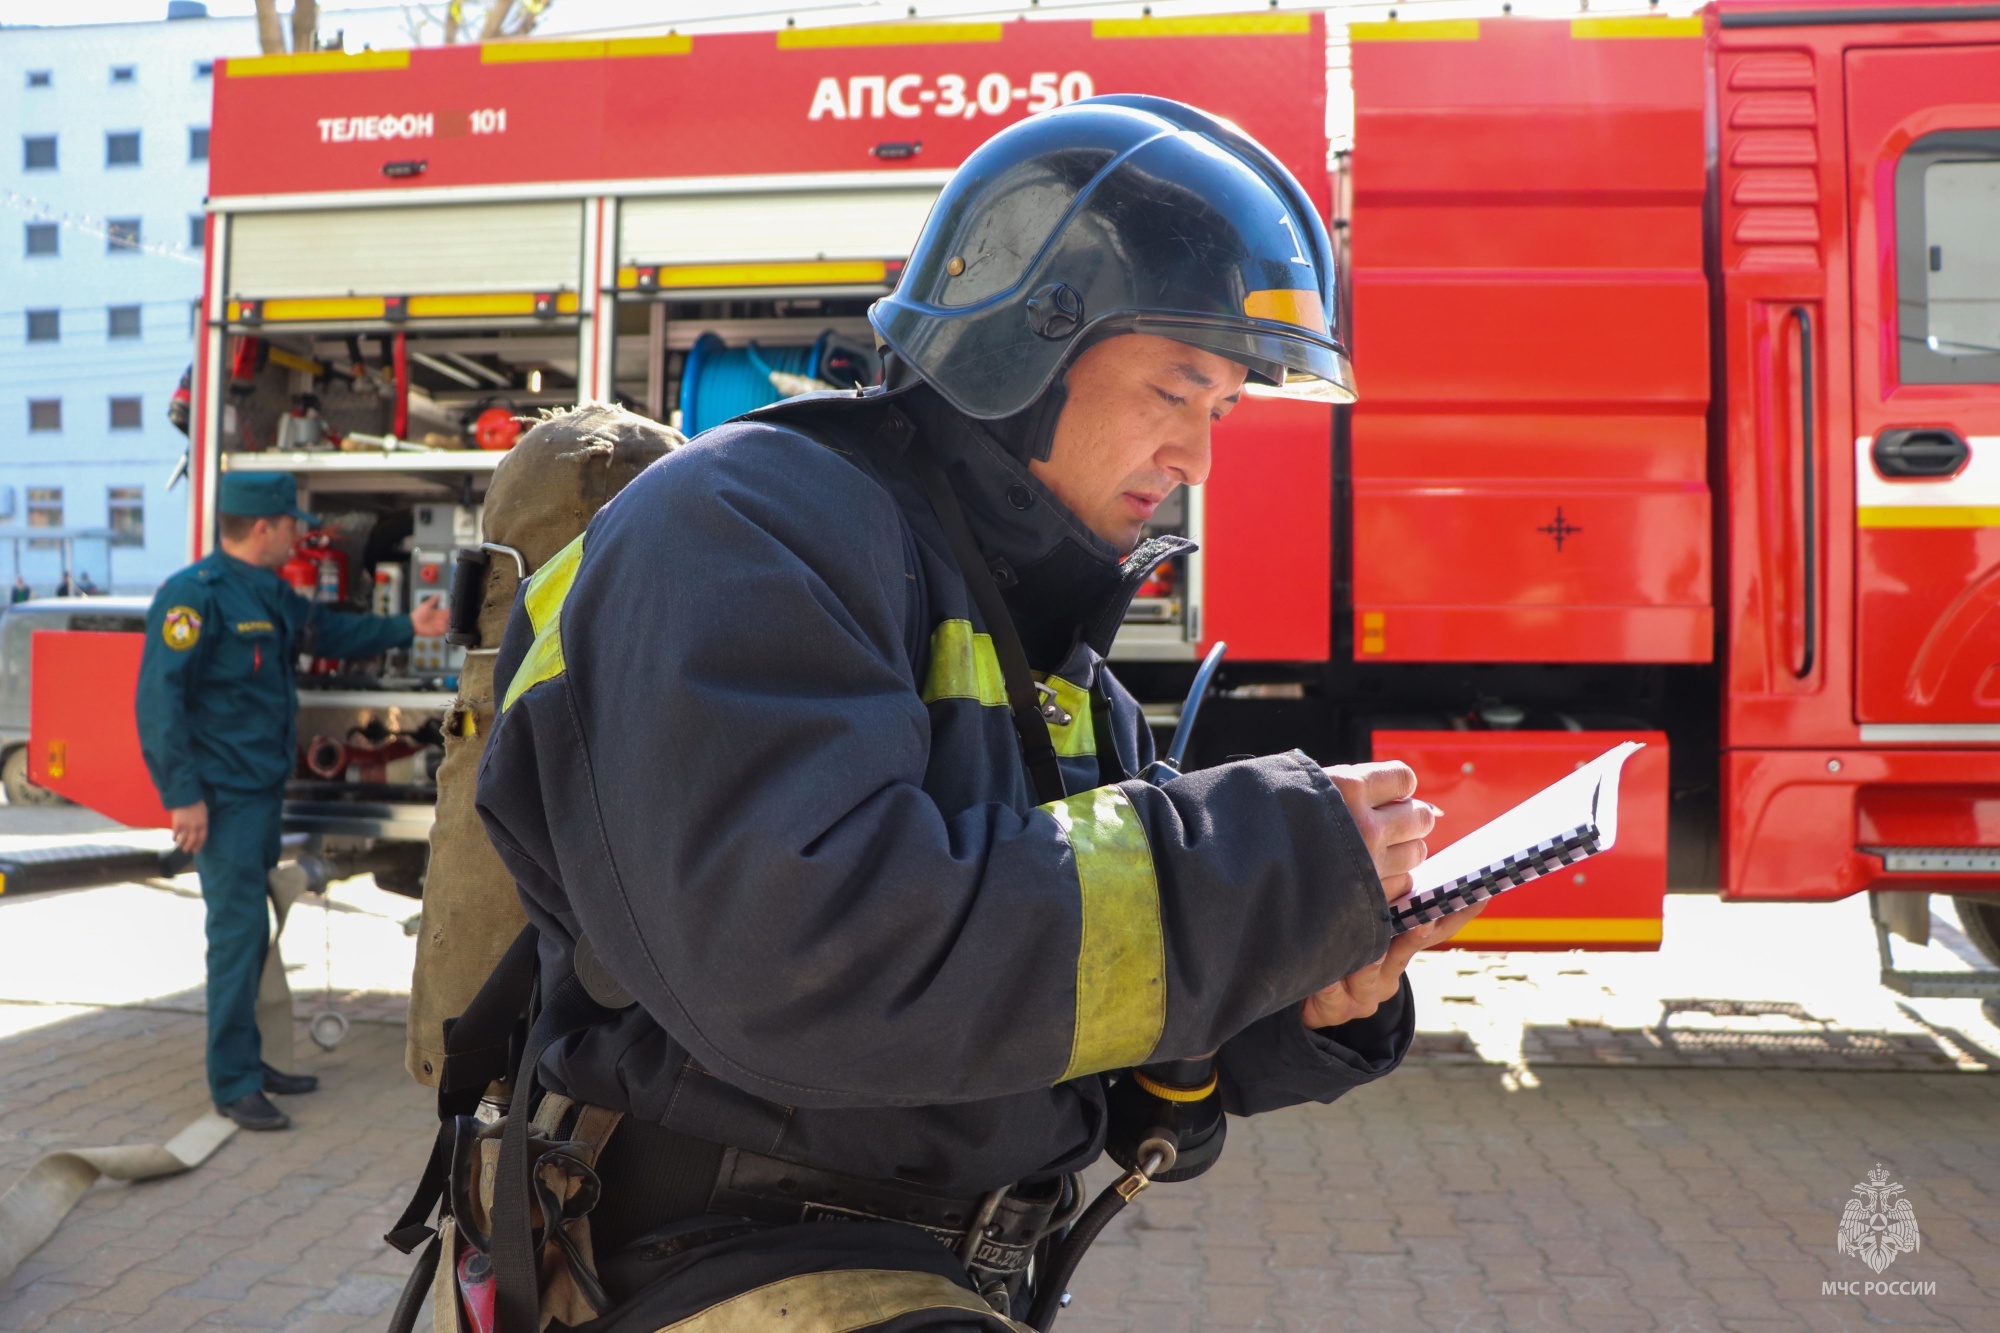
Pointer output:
x,y
1298,255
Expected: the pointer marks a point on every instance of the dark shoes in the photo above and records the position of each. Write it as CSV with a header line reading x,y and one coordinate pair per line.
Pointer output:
x,y
288,1085
253,1110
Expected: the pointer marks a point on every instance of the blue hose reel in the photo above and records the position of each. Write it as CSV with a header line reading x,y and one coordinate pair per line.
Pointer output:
x,y
720,382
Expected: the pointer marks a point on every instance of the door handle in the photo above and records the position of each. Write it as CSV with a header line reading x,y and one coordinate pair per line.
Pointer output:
x,y
1928,451
1809,489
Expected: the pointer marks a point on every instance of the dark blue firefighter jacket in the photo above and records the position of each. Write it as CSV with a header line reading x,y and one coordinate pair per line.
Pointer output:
x,y
754,744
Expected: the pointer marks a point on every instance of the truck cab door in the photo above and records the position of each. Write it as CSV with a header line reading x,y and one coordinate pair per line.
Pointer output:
x,y
1924,144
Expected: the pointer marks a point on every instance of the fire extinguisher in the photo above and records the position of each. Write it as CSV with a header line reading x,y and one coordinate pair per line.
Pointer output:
x,y
302,573
329,567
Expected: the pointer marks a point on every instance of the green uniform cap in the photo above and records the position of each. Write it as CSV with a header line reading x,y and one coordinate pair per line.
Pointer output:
x,y
263,495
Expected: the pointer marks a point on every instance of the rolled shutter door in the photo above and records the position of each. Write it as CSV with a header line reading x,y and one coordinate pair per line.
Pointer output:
x,y
827,225
526,247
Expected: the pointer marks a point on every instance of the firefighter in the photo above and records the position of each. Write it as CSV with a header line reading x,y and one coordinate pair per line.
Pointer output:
x,y
217,709
816,784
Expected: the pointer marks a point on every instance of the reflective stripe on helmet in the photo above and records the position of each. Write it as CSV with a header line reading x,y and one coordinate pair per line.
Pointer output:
x,y
1288,305
1121,982
964,666
547,589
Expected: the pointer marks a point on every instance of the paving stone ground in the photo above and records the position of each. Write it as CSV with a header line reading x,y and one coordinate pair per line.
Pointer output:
x,y
1495,1184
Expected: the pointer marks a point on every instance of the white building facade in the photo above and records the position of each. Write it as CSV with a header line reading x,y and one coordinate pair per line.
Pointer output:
x,y
103,170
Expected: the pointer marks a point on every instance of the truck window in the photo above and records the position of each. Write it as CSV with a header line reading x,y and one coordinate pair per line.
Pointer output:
x,y
1948,258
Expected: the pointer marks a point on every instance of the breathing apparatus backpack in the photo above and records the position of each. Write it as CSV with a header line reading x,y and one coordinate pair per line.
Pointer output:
x,y
475,953
543,494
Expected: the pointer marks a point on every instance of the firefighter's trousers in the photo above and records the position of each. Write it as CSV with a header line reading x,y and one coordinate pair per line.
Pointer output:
x,y
244,833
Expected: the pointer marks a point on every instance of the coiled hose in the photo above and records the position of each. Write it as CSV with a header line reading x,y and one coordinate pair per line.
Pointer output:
x,y
720,382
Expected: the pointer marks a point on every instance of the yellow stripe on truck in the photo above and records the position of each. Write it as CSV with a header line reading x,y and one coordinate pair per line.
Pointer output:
x,y
539,49
840,272
1433,30
311,62
886,34
1928,516
548,589
1205,25
1500,931
1121,961
1635,25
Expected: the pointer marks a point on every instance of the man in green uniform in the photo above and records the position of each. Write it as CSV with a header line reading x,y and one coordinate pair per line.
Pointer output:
x,y
217,714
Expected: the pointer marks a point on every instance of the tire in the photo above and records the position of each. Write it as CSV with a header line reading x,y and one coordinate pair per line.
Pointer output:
x,y
1979,917
402,872
14,779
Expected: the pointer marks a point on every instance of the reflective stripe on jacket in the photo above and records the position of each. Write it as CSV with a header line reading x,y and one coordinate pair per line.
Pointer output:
x,y
754,743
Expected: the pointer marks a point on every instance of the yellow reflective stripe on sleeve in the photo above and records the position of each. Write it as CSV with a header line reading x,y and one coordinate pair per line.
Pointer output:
x,y
1121,963
547,589
963,666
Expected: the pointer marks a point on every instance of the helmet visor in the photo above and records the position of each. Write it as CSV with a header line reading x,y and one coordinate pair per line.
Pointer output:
x,y
1281,364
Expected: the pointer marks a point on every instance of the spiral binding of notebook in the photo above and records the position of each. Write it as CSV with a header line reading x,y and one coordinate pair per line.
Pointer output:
x,y
1543,858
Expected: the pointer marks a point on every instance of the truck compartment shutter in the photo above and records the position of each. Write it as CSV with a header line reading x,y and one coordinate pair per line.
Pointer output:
x,y
518,247
772,228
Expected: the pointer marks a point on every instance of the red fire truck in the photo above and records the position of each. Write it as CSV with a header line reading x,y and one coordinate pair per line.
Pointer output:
x,y
1678,342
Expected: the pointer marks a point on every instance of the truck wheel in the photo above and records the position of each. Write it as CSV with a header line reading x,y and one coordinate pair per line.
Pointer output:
x,y
1979,916
14,779
402,871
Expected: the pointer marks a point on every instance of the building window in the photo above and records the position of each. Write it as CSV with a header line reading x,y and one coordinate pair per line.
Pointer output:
x,y
121,234
38,152
121,148
124,73
204,69
44,510
45,414
42,238
198,143
44,326
125,508
124,321
126,414
40,78
197,231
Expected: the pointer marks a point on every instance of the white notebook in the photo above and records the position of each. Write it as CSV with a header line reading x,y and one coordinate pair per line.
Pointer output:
x,y
1570,819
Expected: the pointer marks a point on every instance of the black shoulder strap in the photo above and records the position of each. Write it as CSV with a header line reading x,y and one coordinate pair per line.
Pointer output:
x,y
1037,749
478,1049
516,1272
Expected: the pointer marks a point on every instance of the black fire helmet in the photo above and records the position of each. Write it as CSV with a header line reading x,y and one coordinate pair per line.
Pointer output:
x,y
1118,214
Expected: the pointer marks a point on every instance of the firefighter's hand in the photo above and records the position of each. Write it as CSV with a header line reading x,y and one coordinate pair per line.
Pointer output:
x,y
429,618
190,826
1362,993
1394,824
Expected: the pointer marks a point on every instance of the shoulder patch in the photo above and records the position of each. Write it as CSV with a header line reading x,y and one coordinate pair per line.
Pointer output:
x,y
182,628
